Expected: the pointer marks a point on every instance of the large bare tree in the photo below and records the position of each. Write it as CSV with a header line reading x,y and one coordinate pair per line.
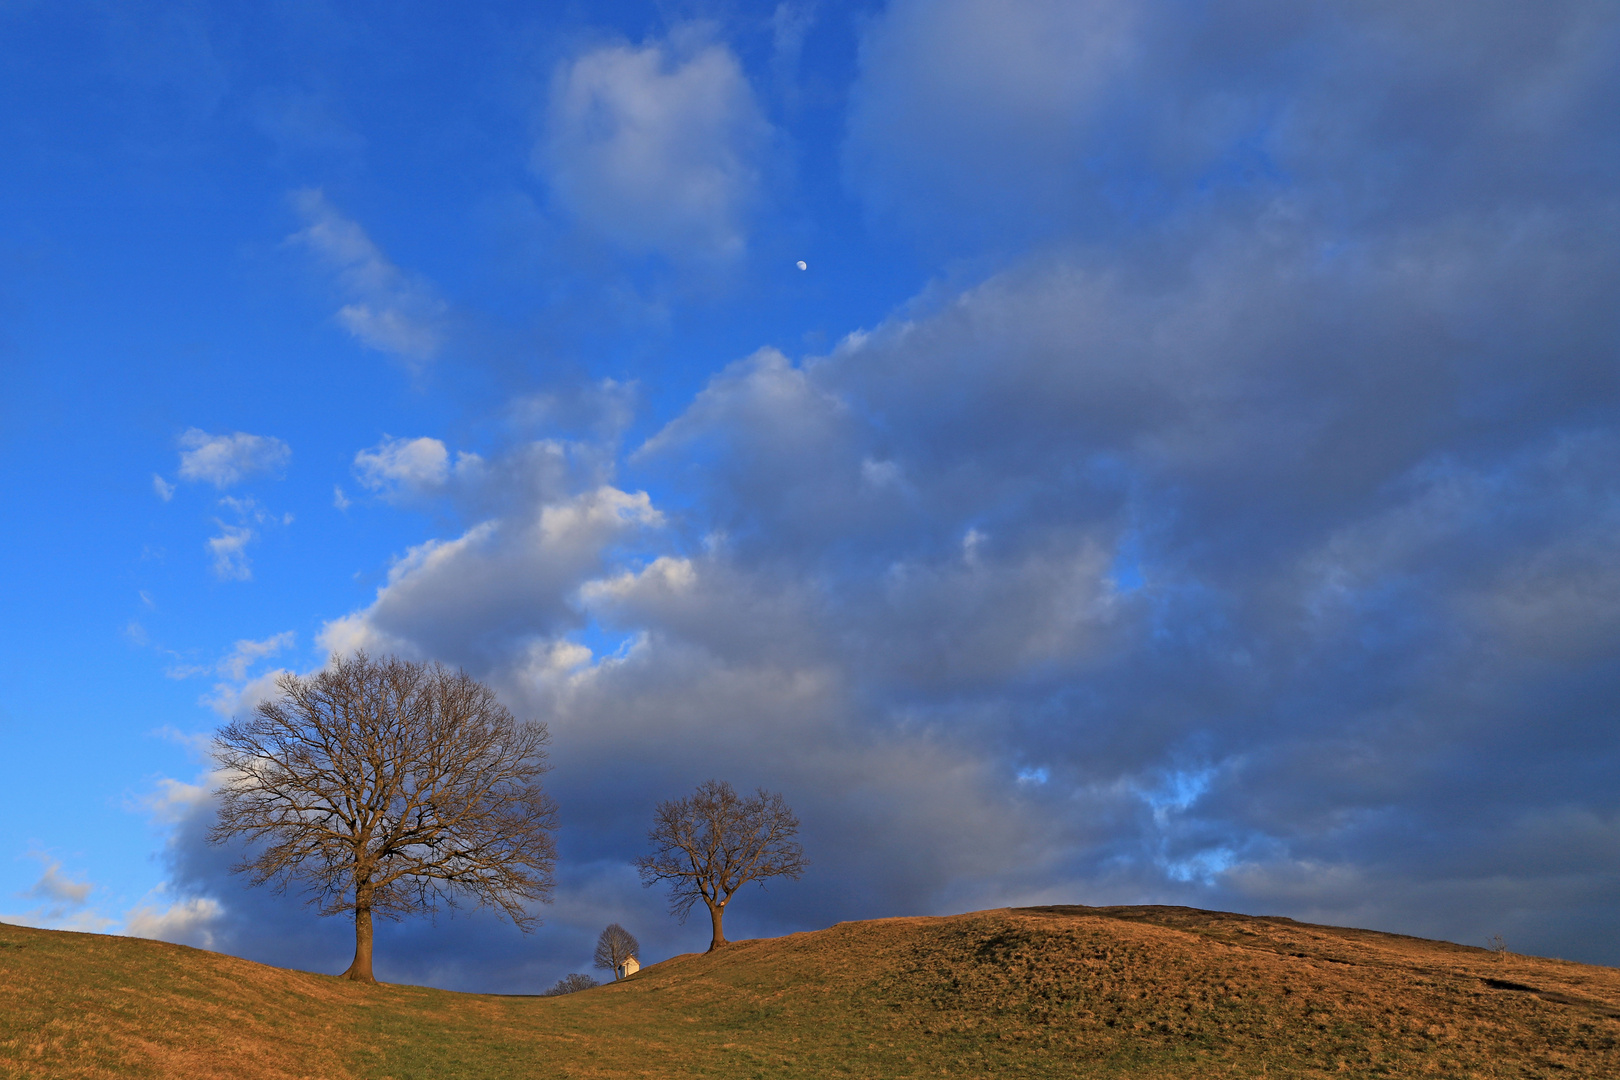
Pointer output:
x,y
713,842
384,787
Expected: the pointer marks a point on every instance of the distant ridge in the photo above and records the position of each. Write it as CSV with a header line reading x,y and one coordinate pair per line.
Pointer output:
x,y
1059,991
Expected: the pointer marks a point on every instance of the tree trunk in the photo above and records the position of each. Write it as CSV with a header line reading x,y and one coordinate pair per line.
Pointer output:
x,y
716,913
360,969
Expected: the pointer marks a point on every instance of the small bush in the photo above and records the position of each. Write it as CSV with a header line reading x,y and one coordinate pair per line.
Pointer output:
x,y
570,983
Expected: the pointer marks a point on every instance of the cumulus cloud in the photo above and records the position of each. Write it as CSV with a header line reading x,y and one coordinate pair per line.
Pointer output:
x,y
412,466
388,309
657,147
503,579
231,700
175,800
184,922
225,460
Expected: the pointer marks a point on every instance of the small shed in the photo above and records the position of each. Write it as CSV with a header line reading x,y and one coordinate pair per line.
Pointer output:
x,y
630,966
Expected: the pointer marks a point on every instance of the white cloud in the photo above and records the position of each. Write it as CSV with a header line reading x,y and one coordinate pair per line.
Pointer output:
x,y
239,693
777,406
245,653
224,460
57,888
185,922
231,700
390,329
340,500
199,743
658,148
594,516
388,310
175,800
512,576
664,574
229,552
164,489
62,899
878,475
415,462
89,921
416,466
972,540
356,632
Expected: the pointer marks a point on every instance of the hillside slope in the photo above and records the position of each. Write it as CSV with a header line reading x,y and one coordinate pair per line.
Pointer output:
x,y
1063,992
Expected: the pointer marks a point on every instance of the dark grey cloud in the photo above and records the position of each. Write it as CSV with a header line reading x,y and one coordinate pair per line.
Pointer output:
x,y
1258,551
992,123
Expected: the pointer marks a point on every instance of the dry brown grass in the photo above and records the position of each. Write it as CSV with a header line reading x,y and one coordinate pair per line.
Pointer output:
x,y
1081,992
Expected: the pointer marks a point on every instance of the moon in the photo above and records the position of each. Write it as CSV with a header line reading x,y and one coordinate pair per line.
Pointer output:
x,y
803,265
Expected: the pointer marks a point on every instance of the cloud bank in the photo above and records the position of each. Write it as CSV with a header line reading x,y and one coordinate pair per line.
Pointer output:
x,y
1245,539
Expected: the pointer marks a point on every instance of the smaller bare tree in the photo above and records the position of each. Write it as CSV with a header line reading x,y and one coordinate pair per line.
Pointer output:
x,y
569,984
614,947
713,842
385,787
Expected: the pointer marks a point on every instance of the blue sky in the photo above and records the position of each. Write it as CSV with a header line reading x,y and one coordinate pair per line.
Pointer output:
x,y
1184,471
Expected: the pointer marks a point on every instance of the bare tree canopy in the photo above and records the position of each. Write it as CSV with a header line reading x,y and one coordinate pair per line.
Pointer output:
x,y
385,787
614,947
569,984
713,842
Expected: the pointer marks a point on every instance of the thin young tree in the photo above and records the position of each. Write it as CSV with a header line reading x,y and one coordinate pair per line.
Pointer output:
x,y
614,947
385,788
713,842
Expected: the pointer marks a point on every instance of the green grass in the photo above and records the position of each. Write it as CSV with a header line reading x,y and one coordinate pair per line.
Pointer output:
x,y
1070,992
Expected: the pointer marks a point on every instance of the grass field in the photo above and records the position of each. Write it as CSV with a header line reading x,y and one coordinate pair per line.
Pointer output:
x,y
1036,992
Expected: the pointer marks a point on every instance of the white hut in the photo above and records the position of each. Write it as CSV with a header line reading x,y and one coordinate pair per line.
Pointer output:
x,y
628,968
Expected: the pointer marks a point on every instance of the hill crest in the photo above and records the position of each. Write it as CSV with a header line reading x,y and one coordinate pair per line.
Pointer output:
x,y
1050,991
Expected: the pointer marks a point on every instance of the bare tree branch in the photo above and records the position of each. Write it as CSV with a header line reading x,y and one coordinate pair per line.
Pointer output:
x,y
387,787
712,843
614,947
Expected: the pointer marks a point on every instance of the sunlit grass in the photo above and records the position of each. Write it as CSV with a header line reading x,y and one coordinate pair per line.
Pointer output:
x,y
1085,993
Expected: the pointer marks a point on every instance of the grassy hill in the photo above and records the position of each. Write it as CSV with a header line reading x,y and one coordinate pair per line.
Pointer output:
x,y
1062,992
